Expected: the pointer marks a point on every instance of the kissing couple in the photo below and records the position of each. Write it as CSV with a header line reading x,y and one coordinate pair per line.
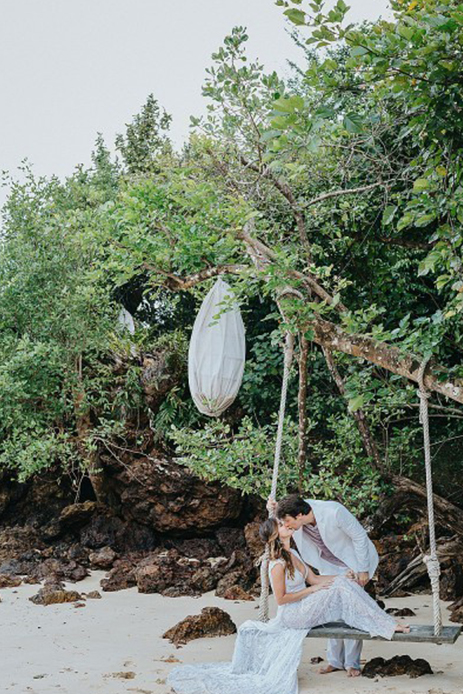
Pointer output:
x,y
305,535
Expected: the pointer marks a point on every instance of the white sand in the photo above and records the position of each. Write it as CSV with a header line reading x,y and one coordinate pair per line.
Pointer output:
x,y
61,649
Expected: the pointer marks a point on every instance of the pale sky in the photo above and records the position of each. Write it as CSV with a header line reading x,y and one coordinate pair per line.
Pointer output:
x,y
72,68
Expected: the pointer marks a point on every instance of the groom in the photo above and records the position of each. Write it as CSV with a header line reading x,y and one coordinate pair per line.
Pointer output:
x,y
330,539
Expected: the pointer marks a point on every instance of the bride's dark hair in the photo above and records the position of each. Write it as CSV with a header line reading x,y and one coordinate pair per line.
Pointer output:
x,y
268,533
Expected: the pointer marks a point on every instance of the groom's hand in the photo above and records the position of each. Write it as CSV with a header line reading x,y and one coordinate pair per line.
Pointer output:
x,y
272,506
362,578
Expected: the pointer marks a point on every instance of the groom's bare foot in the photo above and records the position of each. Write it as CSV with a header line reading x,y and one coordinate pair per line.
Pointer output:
x,y
329,668
353,672
402,629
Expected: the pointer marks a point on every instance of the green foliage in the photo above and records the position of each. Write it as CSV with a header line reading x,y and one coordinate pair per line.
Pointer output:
x,y
145,144
244,460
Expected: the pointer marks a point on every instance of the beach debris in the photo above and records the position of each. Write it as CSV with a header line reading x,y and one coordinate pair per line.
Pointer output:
x,y
211,622
170,659
398,665
317,659
127,675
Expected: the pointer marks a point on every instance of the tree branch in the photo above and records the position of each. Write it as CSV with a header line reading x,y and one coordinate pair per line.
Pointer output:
x,y
345,191
177,283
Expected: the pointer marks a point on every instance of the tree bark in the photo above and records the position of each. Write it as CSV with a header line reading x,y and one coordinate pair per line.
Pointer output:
x,y
334,338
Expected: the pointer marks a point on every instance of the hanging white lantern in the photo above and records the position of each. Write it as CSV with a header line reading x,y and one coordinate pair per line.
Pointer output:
x,y
217,352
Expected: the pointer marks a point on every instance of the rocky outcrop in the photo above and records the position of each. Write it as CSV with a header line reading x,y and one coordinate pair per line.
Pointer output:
x,y
156,492
211,622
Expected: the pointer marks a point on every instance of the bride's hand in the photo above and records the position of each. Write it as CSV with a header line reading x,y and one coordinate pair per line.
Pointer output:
x,y
320,586
351,574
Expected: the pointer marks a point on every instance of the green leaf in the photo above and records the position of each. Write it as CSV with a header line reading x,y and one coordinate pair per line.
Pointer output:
x,y
295,16
358,51
353,123
356,403
425,219
420,184
388,214
288,104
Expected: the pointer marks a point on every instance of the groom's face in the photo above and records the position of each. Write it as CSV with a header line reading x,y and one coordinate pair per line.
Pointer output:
x,y
293,523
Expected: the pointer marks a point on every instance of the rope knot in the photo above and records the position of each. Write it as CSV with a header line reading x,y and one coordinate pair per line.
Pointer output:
x,y
433,567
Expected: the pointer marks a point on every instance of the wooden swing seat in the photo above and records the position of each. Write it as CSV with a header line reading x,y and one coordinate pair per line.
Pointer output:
x,y
419,633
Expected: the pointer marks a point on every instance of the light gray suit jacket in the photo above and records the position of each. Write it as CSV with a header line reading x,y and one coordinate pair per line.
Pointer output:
x,y
343,535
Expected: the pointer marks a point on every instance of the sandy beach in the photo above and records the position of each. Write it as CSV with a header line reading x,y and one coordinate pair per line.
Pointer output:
x,y
114,645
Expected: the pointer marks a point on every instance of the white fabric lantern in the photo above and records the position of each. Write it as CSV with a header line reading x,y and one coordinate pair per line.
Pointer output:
x,y
217,352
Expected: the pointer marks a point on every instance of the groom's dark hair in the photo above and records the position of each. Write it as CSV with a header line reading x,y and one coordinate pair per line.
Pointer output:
x,y
293,505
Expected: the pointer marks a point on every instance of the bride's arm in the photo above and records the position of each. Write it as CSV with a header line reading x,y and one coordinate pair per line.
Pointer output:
x,y
313,580
279,587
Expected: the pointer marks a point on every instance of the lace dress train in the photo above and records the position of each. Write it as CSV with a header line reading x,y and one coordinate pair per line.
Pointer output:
x,y
267,655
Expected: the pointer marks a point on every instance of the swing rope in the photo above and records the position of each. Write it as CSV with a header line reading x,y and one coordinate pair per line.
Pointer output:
x,y
431,560
264,576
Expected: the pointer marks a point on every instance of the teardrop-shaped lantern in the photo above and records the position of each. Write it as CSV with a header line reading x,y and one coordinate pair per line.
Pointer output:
x,y
217,352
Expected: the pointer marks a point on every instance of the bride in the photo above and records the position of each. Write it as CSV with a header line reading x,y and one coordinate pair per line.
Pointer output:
x,y
267,655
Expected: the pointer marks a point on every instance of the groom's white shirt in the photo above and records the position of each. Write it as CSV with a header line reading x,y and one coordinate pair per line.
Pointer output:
x,y
343,535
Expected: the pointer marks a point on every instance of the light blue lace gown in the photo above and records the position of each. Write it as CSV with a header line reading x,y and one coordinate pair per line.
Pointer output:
x,y
267,655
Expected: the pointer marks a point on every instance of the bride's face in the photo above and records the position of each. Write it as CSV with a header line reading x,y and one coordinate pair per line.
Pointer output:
x,y
293,523
283,531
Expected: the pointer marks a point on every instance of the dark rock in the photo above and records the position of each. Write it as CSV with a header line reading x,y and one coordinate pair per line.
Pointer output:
x,y
232,580
121,576
102,558
20,543
51,531
229,540
156,492
253,542
8,581
178,574
179,592
398,665
53,595
31,580
316,660
204,579
78,553
76,515
456,609
108,530
403,612
236,593
197,548
210,623
35,502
